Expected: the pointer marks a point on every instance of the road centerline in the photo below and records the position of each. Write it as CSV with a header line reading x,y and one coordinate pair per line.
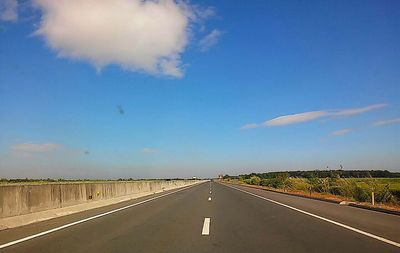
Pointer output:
x,y
206,226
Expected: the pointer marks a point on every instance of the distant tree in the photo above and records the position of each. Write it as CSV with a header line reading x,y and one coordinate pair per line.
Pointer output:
x,y
226,176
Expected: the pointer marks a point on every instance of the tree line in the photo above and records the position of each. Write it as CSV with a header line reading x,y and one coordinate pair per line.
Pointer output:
x,y
322,174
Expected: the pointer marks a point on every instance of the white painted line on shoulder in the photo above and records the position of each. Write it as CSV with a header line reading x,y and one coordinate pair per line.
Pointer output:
x,y
2,246
322,218
206,226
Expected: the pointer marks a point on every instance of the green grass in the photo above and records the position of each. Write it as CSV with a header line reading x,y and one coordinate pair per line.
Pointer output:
x,y
387,190
394,183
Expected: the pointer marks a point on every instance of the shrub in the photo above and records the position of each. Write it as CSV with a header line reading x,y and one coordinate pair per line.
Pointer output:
x,y
299,184
396,194
276,182
342,187
265,182
288,183
338,190
254,180
359,190
320,184
384,195
361,194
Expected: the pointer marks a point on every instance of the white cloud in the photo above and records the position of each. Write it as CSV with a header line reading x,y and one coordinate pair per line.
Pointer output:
x,y
250,126
148,150
354,111
341,132
294,118
9,10
137,35
210,40
314,115
35,148
387,122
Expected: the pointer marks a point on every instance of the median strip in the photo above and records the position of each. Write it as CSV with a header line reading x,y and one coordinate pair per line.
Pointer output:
x,y
89,218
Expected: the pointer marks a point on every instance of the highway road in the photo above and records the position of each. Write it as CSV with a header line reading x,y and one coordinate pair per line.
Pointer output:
x,y
212,217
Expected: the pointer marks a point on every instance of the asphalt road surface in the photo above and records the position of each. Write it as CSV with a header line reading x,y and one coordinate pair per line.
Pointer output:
x,y
212,217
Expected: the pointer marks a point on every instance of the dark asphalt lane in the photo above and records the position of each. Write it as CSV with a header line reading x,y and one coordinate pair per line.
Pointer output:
x,y
256,225
23,231
378,223
239,223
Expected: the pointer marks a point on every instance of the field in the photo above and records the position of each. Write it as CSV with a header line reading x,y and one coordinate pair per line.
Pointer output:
x,y
386,190
393,183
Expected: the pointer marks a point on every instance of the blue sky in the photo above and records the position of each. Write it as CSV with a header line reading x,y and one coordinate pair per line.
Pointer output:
x,y
191,81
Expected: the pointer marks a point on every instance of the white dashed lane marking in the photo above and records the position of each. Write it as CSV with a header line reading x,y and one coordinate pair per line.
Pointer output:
x,y
206,226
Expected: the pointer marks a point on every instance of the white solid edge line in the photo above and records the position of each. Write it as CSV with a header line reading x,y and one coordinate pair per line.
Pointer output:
x,y
89,218
206,226
322,218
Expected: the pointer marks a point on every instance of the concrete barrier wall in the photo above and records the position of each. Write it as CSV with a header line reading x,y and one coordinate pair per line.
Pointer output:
x,y
23,199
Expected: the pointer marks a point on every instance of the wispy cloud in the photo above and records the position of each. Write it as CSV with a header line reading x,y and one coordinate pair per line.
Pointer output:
x,y
9,10
250,126
295,118
387,122
313,115
210,40
35,147
146,36
354,111
341,132
148,150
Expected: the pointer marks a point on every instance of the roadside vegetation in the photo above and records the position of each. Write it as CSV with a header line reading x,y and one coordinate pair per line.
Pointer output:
x,y
336,183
